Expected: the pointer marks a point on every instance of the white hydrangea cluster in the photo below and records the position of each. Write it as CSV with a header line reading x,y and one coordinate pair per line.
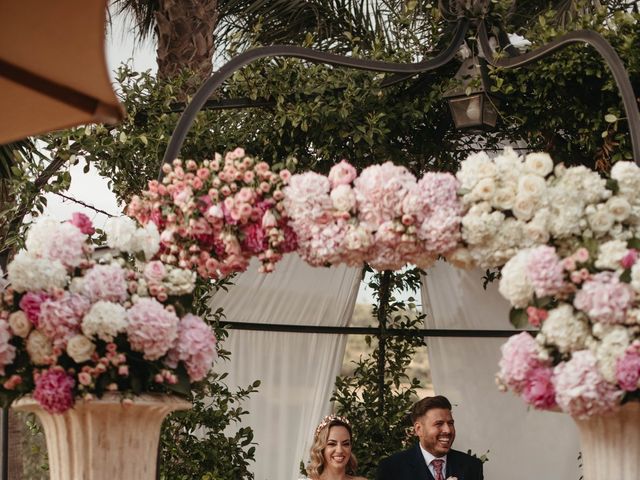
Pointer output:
x,y
26,272
564,329
610,254
124,235
515,285
614,341
517,202
179,281
105,321
507,201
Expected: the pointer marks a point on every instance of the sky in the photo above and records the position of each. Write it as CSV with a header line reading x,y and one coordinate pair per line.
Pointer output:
x,y
89,187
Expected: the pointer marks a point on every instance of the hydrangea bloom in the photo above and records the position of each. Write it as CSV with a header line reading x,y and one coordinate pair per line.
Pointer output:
x,y
195,346
604,298
27,273
105,321
545,271
54,390
515,285
152,329
520,357
60,317
105,282
628,369
538,389
580,389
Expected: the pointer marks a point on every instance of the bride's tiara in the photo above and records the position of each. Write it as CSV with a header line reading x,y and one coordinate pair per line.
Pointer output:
x,y
330,418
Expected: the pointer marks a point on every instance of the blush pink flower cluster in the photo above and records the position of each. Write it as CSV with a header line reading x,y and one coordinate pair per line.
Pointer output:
x,y
585,303
152,329
383,216
195,346
54,390
216,215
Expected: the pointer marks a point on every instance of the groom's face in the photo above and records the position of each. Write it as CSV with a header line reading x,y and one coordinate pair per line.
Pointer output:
x,y
436,431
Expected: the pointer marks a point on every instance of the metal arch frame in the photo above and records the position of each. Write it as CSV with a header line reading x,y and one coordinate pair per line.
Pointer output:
x,y
404,71
606,51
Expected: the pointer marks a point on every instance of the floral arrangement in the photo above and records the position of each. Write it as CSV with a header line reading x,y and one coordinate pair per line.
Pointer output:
x,y
516,202
216,215
384,216
75,323
582,291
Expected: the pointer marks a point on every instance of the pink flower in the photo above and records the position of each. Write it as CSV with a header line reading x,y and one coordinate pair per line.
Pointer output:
x,y
105,282
66,244
152,329
538,390
581,255
628,369
604,298
54,390
155,271
519,360
60,318
581,390
83,223
342,173
7,351
545,272
630,258
30,305
196,347
536,316
254,240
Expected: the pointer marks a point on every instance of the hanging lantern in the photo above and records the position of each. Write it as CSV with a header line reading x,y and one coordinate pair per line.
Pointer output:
x,y
470,104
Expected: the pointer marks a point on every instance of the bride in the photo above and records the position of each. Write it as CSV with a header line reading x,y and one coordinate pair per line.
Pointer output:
x,y
331,457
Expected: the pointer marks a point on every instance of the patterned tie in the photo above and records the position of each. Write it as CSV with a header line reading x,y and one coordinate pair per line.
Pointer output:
x,y
437,466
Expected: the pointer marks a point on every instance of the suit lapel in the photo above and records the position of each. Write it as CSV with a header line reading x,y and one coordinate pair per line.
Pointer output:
x,y
419,465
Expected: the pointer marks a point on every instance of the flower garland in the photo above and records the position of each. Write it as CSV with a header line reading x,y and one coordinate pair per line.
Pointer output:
x,y
217,215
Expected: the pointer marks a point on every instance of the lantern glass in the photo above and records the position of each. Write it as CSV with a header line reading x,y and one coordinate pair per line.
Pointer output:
x,y
473,111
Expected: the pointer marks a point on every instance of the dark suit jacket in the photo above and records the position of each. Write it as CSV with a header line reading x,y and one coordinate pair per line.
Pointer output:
x,y
410,465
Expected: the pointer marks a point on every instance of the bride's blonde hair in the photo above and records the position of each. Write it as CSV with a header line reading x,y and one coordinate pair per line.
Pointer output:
x,y
316,463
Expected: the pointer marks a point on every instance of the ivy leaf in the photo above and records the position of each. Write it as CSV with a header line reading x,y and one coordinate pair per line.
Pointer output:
x,y
610,118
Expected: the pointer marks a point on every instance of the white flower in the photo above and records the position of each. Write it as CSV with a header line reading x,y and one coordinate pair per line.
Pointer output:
x,y
518,41
476,166
610,254
600,221
39,348
539,164
627,174
523,208
477,228
619,208
484,190
635,277
105,320
532,187
567,331
80,348
180,281
515,285
610,349
343,198
20,324
146,240
28,273
536,231
39,235
504,198
120,233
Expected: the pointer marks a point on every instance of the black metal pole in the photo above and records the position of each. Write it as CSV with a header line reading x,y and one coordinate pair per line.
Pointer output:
x,y
383,304
5,443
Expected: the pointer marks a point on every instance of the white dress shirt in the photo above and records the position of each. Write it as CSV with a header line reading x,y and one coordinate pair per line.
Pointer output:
x,y
429,458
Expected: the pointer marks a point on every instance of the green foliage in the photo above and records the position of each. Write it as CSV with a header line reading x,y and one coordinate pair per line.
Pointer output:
x,y
379,415
195,444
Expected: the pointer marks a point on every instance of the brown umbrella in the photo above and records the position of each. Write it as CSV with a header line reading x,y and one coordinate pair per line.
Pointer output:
x,y
53,72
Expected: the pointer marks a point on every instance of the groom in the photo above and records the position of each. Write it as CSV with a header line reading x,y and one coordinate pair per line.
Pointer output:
x,y
432,457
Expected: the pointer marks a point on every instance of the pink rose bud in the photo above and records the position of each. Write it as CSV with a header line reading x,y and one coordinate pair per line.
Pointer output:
x,y
83,223
630,258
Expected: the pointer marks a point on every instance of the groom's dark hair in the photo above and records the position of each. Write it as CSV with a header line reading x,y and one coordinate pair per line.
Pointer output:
x,y
427,403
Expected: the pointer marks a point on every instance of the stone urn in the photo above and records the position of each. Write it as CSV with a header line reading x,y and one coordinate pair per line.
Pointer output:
x,y
611,444
105,439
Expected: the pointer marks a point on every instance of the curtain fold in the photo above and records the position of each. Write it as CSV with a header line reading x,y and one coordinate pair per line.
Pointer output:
x,y
297,370
523,443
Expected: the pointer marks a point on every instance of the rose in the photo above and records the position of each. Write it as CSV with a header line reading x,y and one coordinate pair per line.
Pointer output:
x,y
343,198
80,348
539,164
154,271
39,348
342,174
20,324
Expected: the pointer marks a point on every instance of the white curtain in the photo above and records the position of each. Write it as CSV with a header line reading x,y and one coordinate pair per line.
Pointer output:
x,y
523,444
297,370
